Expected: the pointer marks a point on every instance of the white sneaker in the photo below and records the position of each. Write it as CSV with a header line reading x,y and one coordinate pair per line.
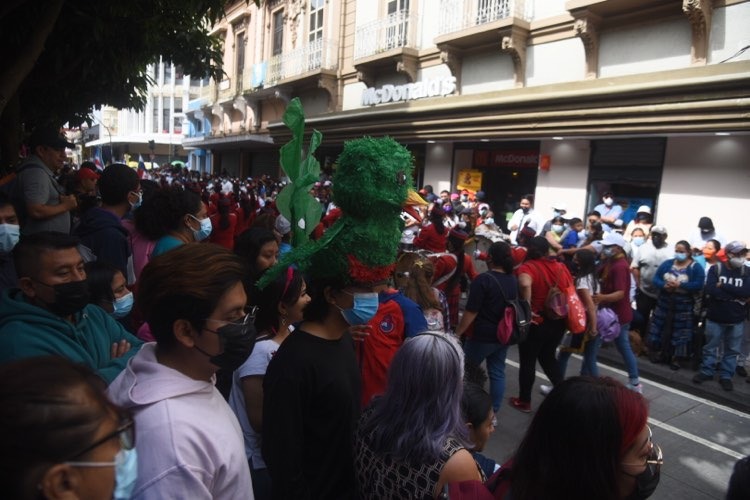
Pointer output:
x,y
545,389
636,388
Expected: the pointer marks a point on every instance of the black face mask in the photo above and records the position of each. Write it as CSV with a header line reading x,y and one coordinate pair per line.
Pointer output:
x,y
658,240
238,340
70,297
647,481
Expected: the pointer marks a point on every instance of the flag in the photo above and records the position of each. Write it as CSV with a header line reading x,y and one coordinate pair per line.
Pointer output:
x,y
141,166
98,158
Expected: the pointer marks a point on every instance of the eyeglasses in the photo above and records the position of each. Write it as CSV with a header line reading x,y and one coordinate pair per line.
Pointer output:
x,y
246,320
126,433
655,457
494,421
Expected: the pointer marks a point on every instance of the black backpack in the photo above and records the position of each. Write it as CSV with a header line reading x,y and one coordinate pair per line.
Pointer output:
x,y
521,311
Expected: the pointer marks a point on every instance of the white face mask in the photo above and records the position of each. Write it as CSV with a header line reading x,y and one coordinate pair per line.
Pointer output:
x,y
9,234
608,201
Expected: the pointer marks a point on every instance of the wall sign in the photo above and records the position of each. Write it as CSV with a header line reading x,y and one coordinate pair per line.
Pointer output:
x,y
433,87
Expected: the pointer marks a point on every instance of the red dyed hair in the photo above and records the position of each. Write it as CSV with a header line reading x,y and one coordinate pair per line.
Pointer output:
x,y
632,411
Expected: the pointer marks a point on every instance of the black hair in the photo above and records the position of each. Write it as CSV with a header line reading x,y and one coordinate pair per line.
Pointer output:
x,y
575,220
277,292
475,404
586,262
27,251
686,245
538,247
223,207
594,212
436,217
99,276
116,182
716,243
500,255
43,420
248,247
318,308
5,200
163,212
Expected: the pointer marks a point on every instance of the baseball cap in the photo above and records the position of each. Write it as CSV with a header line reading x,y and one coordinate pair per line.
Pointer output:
x,y
612,238
659,229
559,206
49,136
86,173
282,225
644,209
735,247
706,224
480,195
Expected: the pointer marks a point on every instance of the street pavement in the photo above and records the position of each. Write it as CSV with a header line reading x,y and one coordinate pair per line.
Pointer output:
x,y
701,438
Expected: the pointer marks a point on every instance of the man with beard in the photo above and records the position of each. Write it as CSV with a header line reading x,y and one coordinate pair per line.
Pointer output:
x,y
49,313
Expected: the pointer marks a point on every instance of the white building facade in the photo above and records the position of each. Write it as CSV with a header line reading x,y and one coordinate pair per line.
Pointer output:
x,y
565,99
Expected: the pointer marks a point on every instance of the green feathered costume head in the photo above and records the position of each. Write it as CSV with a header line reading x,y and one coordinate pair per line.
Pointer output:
x,y
370,185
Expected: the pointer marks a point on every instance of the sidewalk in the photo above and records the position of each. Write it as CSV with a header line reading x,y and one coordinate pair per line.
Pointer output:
x,y
682,379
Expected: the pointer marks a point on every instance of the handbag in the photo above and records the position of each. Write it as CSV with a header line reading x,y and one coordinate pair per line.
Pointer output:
x,y
556,303
607,324
576,311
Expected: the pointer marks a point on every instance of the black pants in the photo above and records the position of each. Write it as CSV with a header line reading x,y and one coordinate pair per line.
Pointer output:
x,y
540,345
644,305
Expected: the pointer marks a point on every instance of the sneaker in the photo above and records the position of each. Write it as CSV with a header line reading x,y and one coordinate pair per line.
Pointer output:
x,y
545,389
636,388
726,384
740,370
520,405
701,377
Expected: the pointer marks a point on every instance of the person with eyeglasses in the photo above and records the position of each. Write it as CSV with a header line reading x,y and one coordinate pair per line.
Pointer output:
x,y
189,441
589,439
60,437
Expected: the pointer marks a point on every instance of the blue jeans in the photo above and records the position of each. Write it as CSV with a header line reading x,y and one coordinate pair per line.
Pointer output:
x,y
728,336
623,346
494,353
588,365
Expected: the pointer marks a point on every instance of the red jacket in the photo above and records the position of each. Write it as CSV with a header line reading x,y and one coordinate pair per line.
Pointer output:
x,y
429,239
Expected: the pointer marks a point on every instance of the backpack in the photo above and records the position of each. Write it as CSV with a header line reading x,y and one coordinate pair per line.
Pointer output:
x,y
607,324
514,325
556,303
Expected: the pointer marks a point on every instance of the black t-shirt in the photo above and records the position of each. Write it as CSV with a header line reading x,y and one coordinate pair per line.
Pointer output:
x,y
311,395
487,301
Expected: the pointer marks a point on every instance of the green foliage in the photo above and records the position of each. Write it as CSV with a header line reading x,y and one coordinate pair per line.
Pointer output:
x,y
295,201
98,52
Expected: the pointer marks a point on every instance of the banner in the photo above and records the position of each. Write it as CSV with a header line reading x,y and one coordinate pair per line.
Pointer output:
x,y
469,179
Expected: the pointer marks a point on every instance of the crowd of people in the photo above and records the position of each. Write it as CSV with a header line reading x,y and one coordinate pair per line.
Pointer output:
x,y
152,347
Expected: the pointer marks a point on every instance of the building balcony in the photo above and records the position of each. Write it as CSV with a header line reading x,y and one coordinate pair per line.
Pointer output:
x,y
466,24
310,60
380,43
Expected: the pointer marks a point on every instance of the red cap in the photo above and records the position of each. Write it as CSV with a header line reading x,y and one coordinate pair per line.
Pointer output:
x,y
86,173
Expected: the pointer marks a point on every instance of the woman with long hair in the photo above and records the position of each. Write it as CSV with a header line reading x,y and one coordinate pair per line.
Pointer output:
x,y
584,262
589,439
412,441
280,306
224,222
418,287
61,437
259,248
433,236
673,323
485,308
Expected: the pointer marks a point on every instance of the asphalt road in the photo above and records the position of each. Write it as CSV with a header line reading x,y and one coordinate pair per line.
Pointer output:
x,y
701,440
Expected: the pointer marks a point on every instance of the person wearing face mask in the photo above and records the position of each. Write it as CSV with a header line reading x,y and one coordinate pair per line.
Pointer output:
x,y
704,232
180,217
556,233
672,326
643,267
728,291
10,231
523,217
558,210
62,438
609,210
108,290
311,391
615,294
610,455
188,440
101,228
49,312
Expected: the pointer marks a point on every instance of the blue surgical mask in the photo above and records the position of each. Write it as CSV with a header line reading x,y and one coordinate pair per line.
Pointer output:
x,y
126,473
608,251
638,240
680,256
123,305
9,234
364,308
205,230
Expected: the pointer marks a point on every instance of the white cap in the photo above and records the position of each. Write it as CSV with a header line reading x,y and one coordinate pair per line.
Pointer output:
x,y
644,209
559,206
613,238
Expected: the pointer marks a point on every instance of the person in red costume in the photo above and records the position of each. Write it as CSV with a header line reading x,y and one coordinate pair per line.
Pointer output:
x,y
433,236
449,268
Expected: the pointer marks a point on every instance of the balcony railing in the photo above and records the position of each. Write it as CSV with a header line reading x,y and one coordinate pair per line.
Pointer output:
x,y
208,92
316,55
395,31
457,15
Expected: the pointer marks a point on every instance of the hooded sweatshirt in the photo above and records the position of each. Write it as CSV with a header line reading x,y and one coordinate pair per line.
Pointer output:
x,y
103,232
27,330
189,442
